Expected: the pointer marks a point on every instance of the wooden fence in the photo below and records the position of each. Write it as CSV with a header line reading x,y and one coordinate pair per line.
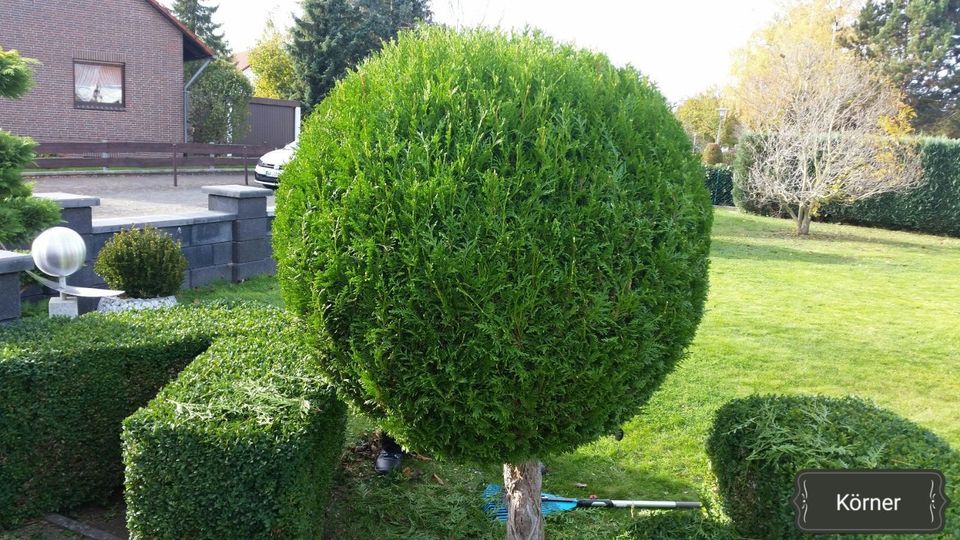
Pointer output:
x,y
61,155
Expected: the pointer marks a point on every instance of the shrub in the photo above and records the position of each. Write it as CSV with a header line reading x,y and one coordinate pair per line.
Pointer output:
x,y
759,444
144,263
242,445
743,159
712,154
720,184
16,77
67,385
508,240
218,103
21,215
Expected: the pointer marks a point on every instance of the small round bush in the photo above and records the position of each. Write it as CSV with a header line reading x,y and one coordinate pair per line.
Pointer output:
x,y
144,263
712,154
499,242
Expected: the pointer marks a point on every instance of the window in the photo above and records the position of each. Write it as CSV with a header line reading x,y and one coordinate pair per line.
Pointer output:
x,y
98,85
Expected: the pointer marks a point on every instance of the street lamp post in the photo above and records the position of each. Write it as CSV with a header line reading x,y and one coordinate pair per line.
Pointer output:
x,y
722,111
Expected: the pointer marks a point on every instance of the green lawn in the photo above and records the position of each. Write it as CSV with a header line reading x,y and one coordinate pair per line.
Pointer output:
x,y
848,311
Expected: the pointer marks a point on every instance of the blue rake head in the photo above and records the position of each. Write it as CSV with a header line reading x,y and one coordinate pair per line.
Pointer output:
x,y
495,505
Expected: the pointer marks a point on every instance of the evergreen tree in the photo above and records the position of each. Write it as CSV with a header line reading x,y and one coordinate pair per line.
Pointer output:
x,y
199,19
220,96
334,36
917,43
20,214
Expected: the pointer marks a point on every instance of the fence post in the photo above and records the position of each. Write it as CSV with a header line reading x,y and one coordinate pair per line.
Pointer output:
x,y
174,164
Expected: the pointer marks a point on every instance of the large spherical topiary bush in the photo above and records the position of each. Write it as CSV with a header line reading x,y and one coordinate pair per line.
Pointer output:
x,y
501,242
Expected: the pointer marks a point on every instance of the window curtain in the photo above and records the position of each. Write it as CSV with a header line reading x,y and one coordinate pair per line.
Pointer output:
x,y
99,83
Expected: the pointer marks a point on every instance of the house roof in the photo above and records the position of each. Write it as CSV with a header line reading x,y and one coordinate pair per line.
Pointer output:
x,y
241,60
193,47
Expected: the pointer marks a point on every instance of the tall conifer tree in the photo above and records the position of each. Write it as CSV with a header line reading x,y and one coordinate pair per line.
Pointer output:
x,y
334,36
199,19
917,43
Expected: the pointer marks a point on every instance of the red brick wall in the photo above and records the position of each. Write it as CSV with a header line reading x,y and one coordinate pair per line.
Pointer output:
x,y
128,31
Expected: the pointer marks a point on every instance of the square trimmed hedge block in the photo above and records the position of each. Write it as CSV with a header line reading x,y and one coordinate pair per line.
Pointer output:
x,y
242,445
65,388
257,409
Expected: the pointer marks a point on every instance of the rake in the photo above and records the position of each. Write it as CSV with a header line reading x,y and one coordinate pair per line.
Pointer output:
x,y
495,503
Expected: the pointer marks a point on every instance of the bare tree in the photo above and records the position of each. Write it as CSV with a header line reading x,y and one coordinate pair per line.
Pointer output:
x,y
829,133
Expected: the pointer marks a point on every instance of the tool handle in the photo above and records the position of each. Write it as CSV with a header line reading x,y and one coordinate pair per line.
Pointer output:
x,y
612,503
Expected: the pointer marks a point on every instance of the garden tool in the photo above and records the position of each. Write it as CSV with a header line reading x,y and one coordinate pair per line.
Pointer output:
x,y
495,503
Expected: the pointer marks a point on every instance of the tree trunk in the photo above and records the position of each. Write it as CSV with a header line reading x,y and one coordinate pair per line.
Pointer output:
x,y
804,215
805,226
521,483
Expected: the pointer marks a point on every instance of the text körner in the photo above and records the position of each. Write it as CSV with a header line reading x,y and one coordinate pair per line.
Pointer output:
x,y
853,502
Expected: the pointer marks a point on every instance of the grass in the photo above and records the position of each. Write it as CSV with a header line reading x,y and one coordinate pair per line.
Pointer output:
x,y
847,311
259,289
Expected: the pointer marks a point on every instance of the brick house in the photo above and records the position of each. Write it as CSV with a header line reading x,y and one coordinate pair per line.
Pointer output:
x,y
111,70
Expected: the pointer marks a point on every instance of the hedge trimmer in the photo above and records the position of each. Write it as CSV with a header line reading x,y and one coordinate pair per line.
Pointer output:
x,y
495,503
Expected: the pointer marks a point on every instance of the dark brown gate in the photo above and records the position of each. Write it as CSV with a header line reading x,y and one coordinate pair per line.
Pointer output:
x,y
272,122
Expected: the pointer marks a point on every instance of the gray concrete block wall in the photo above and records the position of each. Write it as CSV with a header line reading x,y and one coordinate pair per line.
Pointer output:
x,y
231,241
11,264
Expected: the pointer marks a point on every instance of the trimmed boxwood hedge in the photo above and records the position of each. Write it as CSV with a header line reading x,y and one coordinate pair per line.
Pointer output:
x,y
242,445
66,386
759,444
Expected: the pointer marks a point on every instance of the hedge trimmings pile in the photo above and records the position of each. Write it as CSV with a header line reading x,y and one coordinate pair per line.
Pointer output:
x,y
500,242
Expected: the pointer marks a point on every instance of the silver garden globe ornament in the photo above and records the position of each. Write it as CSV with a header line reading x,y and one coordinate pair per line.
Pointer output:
x,y
59,252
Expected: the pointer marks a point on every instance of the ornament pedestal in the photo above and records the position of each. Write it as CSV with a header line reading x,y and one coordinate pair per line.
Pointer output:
x,y
64,307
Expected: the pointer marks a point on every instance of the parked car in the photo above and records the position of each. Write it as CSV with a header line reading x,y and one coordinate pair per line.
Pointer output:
x,y
267,172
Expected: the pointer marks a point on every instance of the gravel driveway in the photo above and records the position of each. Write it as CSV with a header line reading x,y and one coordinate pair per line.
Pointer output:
x,y
144,195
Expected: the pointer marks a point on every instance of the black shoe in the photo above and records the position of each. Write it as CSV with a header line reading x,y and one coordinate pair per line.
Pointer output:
x,y
387,461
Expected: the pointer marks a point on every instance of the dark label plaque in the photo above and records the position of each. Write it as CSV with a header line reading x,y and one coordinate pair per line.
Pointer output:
x,y
867,501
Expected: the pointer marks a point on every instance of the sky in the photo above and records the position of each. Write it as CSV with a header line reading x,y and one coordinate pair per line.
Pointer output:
x,y
684,46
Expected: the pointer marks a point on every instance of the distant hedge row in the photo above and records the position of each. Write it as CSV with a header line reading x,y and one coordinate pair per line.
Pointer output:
x,y
720,183
759,444
241,444
933,207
